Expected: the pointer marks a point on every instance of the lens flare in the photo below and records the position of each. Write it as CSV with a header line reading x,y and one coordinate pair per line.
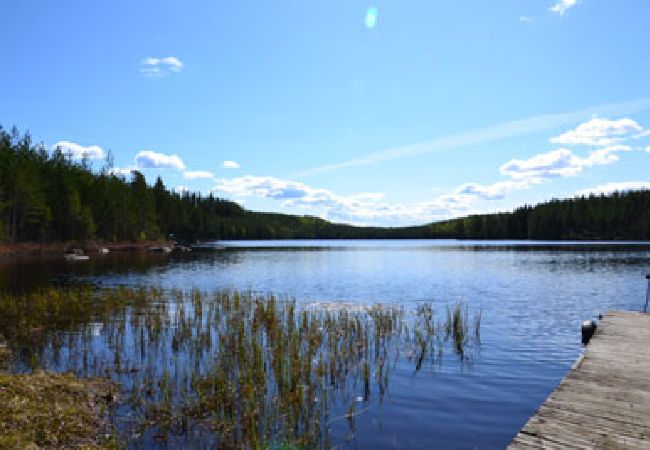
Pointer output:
x,y
371,17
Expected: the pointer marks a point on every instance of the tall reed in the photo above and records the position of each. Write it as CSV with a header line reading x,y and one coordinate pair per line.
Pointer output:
x,y
237,369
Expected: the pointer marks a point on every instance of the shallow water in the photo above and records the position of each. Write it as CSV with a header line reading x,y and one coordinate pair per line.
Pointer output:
x,y
532,295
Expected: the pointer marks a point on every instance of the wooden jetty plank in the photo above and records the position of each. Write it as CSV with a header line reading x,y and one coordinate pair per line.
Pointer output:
x,y
604,401
627,428
606,424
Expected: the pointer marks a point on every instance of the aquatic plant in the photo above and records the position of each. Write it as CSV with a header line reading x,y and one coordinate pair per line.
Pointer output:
x,y
230,369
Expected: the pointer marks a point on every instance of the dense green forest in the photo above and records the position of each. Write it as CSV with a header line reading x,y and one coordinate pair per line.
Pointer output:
x,y
47,196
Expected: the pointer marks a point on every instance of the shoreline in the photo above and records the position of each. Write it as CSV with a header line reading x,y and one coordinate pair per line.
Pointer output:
x,y
94,246
59,248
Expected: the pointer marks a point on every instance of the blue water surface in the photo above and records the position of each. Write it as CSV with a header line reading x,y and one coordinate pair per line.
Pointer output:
x,y
532,296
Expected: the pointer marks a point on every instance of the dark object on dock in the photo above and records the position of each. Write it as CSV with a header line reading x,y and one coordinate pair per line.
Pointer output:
x,y
588,329
603,402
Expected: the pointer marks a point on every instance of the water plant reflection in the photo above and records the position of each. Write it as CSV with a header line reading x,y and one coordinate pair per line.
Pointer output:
x,y
227,368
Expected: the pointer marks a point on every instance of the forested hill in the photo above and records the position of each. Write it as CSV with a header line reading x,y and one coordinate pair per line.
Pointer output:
x,y
47,197
624,216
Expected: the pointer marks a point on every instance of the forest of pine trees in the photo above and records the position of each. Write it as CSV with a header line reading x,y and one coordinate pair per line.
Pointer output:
x,y
48,197
618,216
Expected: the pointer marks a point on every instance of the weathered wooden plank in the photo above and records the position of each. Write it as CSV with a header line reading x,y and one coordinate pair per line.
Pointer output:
x,y
610,424
580,435
560,431
608,390
588,393
604,401
608,381
607,410
524,441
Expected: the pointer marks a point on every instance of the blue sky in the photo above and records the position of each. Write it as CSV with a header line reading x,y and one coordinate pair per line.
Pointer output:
x,y
382,112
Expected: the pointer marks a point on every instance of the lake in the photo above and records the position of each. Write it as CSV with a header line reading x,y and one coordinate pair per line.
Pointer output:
x,y
532,297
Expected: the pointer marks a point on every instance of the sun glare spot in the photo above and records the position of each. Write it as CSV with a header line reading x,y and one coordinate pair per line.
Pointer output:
x,y
371,18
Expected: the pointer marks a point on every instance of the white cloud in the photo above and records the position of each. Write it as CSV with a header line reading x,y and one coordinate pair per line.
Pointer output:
x,y
158,67
526,19
230,165
539,169
146,159
76,151
556,163
563,6
496,190
361,209
599,132
559,163
270,187
605,155
609,188
483,135
369,208
197,174
647,149
371,196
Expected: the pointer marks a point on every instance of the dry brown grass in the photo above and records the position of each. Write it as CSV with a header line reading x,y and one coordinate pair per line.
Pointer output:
x,y
5,353
45,410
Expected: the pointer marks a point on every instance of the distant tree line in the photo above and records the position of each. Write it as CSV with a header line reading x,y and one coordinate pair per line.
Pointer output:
x,y
617,216
48,196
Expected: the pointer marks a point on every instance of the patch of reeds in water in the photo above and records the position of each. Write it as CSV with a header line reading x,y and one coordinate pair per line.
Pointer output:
x,y
235,368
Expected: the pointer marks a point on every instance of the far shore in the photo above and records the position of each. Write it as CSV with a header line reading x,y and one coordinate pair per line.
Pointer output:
x,y
58,248
8,249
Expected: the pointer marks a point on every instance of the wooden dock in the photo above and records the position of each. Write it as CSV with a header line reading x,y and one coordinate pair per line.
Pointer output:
x,y
604,401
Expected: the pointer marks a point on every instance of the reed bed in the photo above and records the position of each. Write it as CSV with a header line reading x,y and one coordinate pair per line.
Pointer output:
x,y
230,369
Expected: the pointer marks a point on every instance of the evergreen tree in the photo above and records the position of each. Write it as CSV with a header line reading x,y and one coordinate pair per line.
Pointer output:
x,y
50,197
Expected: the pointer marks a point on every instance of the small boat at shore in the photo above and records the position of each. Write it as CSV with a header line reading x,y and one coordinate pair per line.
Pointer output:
x,y
76,254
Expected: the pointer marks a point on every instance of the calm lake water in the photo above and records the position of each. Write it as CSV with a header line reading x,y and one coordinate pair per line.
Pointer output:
x,y
532,295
